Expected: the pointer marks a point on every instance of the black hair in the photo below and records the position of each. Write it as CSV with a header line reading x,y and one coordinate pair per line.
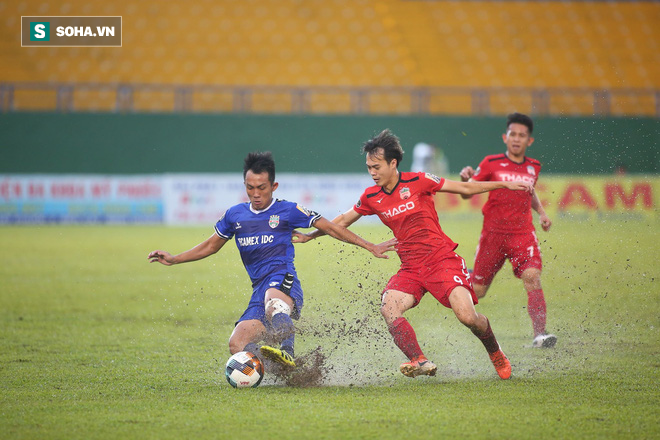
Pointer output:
x,y
259,162
519,118
390,144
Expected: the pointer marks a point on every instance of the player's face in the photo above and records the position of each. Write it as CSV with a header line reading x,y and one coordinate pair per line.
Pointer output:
x,y
259,189
517,139
384,174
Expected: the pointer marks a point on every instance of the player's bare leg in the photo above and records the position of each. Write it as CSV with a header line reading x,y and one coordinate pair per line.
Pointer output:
x,y
463,307
394,304
245,336
480,290
536,308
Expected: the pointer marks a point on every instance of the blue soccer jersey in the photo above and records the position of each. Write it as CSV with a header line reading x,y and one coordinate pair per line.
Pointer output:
x,y
263,237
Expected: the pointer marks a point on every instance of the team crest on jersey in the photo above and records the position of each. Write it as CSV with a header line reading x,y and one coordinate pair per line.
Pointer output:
x,y
530,170
433,177
405,193
274,221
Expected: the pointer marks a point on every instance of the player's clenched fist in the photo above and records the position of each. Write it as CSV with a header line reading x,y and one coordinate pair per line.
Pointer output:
x,y
467,173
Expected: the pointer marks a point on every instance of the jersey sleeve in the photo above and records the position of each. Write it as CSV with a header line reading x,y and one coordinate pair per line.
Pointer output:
x,y
302,217
483,172
431,182
223,227
362,207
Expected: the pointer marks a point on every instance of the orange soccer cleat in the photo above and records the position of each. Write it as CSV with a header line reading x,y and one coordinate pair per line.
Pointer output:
x,y
501,363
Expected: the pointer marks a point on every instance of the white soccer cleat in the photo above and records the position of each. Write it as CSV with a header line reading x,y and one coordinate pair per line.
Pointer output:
x,y
418,366
544,341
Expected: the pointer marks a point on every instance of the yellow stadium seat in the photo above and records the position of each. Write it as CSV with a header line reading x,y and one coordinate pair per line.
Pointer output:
x,y
569,48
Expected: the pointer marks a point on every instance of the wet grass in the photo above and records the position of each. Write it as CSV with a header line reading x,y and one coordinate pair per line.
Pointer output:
x,y
97,343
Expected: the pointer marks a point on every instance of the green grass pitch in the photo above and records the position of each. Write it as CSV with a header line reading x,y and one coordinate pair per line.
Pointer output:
x,y
98,343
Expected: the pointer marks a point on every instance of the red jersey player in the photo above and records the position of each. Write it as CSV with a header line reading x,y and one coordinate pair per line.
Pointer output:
x,y
404,202
508,230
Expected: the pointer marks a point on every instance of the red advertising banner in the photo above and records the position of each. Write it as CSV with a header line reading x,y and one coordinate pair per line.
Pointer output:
x,y
634,197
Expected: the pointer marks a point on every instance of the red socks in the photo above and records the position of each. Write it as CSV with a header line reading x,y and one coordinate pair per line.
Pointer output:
x,y
405,338
488,339
537,311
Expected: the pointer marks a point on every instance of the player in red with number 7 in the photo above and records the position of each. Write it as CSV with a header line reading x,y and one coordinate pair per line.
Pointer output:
x,y
404,202
508,231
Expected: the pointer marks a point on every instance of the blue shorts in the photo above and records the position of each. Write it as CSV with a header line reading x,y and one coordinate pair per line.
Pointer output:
x,y
257,308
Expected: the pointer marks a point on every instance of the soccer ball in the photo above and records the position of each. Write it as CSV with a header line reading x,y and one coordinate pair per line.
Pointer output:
x,y
244,370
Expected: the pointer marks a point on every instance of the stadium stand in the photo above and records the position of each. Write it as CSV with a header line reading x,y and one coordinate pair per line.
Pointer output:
x,y
338,56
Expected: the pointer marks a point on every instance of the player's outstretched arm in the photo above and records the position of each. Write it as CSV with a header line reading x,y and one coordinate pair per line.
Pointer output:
x,y
543,217
466,174
208,247
341,233
345,220
471,188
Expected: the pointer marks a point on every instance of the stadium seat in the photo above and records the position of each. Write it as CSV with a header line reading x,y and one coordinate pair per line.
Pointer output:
x,y
561,46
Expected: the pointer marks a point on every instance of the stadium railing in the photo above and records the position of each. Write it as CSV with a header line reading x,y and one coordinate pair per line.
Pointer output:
x,y
140,98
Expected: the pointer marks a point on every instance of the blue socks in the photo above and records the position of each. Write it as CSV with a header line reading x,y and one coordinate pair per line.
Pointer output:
x,y
283,326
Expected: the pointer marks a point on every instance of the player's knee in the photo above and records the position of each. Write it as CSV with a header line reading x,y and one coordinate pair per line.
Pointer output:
x,y
480,290
235,345
277,305
531,278
391,312
385,310
388,307
470,321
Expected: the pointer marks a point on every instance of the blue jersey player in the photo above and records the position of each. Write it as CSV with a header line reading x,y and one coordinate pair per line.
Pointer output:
x,y
262,229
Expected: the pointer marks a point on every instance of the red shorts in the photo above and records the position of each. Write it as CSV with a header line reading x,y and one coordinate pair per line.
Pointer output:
x,y
495,247
439,276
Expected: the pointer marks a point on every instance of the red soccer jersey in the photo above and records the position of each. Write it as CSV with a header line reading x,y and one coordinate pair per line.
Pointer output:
x,y
409,211
506,210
